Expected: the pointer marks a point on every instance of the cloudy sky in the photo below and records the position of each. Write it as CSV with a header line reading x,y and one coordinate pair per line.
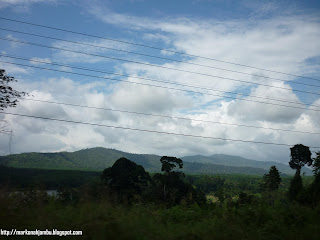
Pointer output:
x,y
197,67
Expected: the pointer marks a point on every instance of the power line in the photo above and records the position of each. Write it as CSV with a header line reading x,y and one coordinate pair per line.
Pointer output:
x,y
164,87
150,131
165,116
163,58
153,65
153,47
153,80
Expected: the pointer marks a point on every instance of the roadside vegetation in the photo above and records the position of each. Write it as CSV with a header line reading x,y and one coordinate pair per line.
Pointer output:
x,y
126,202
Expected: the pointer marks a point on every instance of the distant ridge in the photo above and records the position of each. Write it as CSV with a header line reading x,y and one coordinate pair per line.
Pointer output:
x,y
99,158
236,161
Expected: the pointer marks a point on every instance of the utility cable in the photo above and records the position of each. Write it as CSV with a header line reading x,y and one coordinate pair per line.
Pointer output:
x,y
153,47
150,131
166,116
153,65
151,79
163,58
151,85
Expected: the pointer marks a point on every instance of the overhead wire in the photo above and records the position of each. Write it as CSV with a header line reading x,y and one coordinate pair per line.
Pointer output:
x,y
154,65
166,116
162,132
164,87
153,47
150,131
151,79
163,58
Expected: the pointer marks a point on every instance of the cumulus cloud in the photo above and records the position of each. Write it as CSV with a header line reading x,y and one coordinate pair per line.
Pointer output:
x,y
250,109
281,43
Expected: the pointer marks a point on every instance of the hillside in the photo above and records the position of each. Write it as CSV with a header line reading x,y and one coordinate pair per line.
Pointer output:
x,y
100,158
235,161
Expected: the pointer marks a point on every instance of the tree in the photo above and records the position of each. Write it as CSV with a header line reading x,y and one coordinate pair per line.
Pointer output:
x,y
271,182
170,186
168,163
300,155
296,188
314,188
316,164
126,178
8,96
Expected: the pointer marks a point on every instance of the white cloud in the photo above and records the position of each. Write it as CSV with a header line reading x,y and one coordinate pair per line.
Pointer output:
x,y
39,61
12,68
279,43
14,43
268,112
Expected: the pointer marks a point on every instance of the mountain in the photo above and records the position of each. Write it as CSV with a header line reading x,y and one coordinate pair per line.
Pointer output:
x,y
100,158
91,159
235,161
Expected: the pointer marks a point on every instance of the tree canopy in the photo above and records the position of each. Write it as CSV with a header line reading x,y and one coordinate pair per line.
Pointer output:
x,y
126,177
300,155
272,180
168,163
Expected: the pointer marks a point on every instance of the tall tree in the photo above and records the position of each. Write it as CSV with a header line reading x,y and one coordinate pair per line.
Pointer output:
x,y
271,182
314,189
296,188
126,178
300,155
170,186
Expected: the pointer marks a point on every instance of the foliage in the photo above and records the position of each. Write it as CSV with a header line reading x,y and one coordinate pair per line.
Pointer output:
x,y
296,188
104,220
21,178
300,155
126,178
171,188
67,195
168,163
316,164
272,180
270,184
8,96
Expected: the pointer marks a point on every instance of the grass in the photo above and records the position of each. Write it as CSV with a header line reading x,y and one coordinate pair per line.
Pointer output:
x,y
100,219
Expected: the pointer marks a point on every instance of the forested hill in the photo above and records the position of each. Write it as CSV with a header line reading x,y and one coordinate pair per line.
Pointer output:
x,y
228,160
100,158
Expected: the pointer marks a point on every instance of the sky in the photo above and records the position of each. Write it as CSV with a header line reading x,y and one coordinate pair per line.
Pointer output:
x,y
196,67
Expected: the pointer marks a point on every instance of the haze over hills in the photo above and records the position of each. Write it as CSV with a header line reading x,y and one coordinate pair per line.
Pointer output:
x,y
100,158
236,161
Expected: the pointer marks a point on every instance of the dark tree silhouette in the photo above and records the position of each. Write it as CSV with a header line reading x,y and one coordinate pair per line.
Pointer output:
x,y
314,189
271,182
126,178
296,188
8,96
171,188
168,163
300,155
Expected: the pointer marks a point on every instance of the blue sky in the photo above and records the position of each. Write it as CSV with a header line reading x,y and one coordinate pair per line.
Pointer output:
x,y
281,36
